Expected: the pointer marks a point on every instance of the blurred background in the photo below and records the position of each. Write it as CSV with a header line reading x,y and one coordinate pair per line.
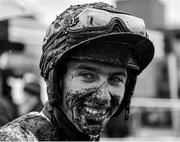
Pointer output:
x,y
155,107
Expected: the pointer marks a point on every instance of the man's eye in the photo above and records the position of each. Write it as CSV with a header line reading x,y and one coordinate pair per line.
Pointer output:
x,y
116,79
87,76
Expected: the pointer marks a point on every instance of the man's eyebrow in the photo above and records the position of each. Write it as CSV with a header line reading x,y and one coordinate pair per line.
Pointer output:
x,y
87,67
121,73
91,68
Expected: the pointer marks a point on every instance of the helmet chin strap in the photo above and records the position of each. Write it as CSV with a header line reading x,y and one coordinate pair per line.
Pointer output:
x,y
54,84
125,104
127,112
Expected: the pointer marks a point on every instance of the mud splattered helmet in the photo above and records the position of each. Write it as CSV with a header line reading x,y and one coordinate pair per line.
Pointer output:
x,y
88,24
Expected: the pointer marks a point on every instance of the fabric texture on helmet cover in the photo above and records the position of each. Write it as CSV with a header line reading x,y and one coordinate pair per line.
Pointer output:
x,y
66,33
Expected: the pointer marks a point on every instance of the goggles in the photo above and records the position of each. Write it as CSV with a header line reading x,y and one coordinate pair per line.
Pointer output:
x,y
96,20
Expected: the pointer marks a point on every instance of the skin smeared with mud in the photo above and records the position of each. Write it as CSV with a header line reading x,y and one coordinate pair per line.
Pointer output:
x,y
92,94
75,100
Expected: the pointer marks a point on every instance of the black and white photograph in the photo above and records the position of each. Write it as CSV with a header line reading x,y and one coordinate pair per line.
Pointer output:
x,y
90,70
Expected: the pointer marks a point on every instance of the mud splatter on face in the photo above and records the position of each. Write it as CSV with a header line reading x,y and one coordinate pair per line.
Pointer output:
x,y
92,92
89,113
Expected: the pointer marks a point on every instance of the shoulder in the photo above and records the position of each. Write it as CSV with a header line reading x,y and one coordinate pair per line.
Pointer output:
x,y
25,128
14,131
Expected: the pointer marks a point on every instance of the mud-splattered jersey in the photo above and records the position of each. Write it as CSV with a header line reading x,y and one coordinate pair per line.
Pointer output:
x,y
29,127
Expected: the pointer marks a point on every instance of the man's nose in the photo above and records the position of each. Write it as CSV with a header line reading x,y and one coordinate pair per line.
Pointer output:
x,y
103,94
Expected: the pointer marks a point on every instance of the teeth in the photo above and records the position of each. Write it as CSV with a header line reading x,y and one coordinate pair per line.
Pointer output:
x,y
103,112
94,111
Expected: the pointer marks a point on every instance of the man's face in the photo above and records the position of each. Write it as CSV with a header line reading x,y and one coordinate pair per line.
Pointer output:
x,y
92,93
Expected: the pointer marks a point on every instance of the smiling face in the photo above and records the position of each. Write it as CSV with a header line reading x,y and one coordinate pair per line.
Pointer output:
x,y
92,93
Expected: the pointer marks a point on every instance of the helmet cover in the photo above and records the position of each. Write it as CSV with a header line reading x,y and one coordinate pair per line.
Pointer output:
x,y
81,25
